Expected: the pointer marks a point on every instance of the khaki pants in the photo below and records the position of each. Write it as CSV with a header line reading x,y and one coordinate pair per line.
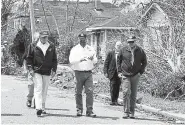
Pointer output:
x,y
41,83
84,78
129,86
30,87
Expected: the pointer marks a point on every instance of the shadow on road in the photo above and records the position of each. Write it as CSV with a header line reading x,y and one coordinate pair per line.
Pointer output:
x,y
106,117
149,119
11,114
57,109
60,115
74,116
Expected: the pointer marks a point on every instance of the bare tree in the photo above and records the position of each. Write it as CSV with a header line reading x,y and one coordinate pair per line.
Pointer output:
x,y
6,8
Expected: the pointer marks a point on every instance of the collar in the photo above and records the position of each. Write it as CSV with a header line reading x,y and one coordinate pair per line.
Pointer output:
x,y
116,52
41,44
128,48
86,46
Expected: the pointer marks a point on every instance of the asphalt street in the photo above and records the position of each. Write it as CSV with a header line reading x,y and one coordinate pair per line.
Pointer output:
x,y
60,108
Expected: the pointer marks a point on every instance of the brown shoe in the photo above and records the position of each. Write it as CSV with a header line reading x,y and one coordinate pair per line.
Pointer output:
x,y
90,114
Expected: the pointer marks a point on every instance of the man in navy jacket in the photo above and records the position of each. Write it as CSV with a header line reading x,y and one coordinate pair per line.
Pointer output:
x,y
131,65
41,62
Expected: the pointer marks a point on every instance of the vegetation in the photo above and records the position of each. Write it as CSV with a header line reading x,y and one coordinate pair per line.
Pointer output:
x,y
166,60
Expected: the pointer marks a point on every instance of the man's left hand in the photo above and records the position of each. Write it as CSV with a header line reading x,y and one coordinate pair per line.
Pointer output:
x,y
91,58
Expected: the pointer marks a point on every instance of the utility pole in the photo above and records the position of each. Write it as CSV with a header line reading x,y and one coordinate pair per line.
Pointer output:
x,y
67,7
32,19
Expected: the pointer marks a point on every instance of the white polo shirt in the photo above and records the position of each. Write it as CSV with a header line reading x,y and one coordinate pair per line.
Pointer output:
x,y
77,53
43,47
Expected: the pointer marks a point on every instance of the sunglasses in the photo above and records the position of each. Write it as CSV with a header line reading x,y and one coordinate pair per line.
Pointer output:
x,y
130,41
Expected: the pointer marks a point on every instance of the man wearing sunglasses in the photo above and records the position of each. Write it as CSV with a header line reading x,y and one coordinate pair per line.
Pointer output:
x,y
131,65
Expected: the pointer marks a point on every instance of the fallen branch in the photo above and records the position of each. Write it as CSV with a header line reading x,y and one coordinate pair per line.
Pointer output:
x,y
181,96
173,91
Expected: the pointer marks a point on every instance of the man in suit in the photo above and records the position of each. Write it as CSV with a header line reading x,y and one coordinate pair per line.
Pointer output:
x,y
110,71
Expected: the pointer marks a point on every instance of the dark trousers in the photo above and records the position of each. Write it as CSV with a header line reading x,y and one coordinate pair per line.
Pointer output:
x,y
30,87
84,79
115,83
129,86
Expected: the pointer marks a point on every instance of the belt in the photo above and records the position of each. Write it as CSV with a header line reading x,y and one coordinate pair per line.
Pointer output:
x,y
83,71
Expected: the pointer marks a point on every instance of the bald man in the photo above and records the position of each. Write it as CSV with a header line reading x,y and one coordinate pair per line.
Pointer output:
x,y
110,71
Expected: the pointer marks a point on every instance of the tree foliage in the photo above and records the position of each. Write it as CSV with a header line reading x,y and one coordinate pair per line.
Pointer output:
x,y
165,48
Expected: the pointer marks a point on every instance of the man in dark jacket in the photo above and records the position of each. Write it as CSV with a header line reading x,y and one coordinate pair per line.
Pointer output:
x,y
41,62
131,65
110,71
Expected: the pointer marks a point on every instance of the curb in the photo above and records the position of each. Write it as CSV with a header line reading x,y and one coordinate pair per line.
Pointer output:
x,y
178,116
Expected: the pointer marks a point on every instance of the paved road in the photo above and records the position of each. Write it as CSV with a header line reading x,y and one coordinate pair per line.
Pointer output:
x,y
60,108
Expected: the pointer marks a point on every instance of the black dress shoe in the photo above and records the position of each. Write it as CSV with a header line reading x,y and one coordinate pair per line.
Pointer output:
x,y
90,114
39,112
34,106
116,103
44,112
79,113
112,103
132,116
28,103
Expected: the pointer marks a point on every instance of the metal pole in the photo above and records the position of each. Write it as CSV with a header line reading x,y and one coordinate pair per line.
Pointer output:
x,y
67,7
32,19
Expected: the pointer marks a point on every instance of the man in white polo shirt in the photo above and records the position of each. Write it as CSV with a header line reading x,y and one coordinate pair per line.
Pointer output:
x,y
83,57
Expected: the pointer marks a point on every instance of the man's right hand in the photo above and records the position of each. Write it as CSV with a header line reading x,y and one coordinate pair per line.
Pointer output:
x,y
121,76
31,72
83,59
106,75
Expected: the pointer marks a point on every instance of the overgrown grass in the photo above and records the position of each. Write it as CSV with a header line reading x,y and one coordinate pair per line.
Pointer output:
x,y
102,86
166,105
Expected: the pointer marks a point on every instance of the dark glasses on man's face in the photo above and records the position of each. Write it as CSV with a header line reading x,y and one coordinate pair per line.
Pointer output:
x,y
131,42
